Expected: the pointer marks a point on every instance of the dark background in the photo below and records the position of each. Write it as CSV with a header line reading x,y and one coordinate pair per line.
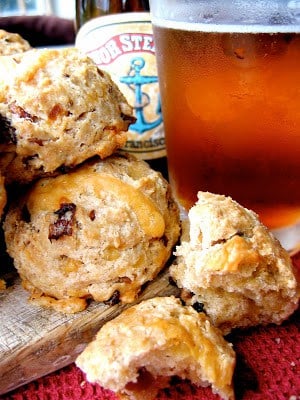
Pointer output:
x,y
41,30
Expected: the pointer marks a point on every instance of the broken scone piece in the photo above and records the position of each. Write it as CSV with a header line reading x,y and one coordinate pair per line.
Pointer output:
x,y
137,353
234,266
99,232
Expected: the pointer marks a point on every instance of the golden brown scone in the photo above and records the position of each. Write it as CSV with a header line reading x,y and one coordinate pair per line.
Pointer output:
x,y
234,266
12,43
57,109
3,197
137,353
98,232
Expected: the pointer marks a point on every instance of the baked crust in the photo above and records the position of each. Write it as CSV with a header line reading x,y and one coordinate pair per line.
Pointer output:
x,y
99,232
57,110
234,266
138,352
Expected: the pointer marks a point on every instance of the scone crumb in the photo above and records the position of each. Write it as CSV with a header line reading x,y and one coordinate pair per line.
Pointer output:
x,y
83,384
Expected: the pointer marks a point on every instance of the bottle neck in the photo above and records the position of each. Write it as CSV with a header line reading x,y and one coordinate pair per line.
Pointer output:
x,y
89,9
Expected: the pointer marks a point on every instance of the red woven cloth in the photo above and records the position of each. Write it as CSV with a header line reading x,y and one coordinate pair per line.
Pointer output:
x,y
268,368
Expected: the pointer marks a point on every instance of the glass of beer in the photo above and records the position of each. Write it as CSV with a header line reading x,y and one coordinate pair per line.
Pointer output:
x,y
229,74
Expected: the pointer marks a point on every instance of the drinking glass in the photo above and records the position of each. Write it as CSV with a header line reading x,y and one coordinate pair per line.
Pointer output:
x,y
229,75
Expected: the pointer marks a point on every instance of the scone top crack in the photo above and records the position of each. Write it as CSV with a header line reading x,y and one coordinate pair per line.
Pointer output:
x,y
58,109
100,232
233,265
139,352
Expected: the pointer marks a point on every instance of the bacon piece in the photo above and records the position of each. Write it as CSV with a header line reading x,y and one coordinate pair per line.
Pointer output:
x,y
15,109
63,226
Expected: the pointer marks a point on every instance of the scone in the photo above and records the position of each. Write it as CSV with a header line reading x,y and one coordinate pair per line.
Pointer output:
x,y
57,109
137,353
12,43
233,266
99,232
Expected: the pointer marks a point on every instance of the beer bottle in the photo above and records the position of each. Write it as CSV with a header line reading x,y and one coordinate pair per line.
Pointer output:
x,y
118,36
86,10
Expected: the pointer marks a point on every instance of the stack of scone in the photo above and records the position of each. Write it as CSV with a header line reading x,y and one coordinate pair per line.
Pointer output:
x,y
92,223
106,223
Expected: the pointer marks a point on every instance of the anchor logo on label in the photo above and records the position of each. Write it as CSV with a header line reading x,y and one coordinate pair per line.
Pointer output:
x,y
134,80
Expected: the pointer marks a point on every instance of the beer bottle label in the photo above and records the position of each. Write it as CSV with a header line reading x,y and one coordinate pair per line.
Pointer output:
x,y
122,44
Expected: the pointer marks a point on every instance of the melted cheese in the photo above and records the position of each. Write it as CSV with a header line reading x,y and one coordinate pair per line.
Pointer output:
x,y
48,195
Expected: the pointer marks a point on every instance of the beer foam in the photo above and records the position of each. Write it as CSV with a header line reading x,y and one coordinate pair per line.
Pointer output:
x,y
225,28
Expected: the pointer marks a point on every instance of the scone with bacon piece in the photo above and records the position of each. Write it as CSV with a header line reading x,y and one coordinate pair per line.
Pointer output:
x,y
98,232
57,109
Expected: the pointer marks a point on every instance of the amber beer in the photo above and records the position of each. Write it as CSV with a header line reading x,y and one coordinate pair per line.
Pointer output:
x,y
231,107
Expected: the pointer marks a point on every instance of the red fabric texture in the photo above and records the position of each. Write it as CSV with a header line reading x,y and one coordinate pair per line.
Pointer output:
x,y
268,368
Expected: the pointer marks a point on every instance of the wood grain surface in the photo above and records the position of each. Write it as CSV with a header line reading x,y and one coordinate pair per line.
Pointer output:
x,y
35,341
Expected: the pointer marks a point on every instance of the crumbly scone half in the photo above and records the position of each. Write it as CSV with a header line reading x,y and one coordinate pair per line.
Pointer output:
x,y
57,109
137,353
99,232
12,43
234,266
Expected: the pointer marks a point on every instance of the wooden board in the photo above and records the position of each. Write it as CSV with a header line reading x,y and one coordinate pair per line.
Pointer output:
x,y
35,341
